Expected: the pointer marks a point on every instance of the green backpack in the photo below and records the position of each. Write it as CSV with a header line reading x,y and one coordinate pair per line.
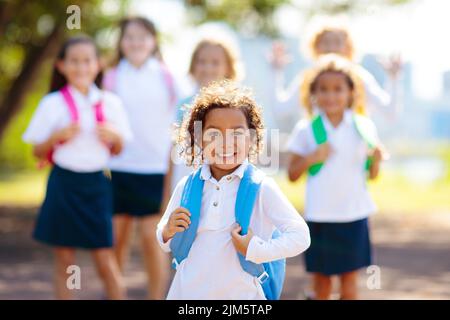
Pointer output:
x,y
320,136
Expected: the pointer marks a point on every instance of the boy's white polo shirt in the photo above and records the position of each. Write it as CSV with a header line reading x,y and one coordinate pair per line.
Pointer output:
x,y
212,269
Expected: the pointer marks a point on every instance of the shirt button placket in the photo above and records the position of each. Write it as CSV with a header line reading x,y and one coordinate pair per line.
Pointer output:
x,y
216,202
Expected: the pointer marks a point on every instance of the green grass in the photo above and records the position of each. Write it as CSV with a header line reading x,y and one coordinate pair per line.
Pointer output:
x,y
23,189
392,193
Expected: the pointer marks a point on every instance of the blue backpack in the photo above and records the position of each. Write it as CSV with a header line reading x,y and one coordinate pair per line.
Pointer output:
x,y
271,274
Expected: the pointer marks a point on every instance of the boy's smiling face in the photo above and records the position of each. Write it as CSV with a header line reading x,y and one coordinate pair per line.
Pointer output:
x,y
226,138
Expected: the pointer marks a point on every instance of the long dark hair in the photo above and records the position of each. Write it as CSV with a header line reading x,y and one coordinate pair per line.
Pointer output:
x,y
147,25
58,79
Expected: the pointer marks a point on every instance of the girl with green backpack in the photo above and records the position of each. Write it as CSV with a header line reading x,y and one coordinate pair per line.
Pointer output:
x,y
339,149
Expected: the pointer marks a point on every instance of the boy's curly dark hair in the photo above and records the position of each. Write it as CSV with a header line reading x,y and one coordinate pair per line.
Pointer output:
x,y
219,94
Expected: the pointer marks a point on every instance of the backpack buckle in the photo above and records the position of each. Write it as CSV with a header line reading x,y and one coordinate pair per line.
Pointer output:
x,y
263,277
175,264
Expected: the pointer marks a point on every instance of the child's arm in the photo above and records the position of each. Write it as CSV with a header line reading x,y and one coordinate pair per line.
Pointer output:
x,y
386,101
294,238
174,219
110,136
44,130
298,164
283,100
41,150
375,166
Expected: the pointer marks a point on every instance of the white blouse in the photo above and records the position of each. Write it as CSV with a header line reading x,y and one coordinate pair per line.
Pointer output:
x,y
212,269
85,152
338,193
148,104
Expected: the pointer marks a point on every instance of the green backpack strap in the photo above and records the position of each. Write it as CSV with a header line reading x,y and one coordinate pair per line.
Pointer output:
x,y
320,136
363,126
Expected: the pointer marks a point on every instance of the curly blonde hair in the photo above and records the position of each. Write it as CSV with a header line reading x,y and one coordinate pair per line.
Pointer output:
x,y
219,94
340,31
333,63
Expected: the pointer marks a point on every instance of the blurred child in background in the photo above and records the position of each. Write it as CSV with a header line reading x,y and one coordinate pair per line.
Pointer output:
x,y
334,38
140,175
338,149
78,127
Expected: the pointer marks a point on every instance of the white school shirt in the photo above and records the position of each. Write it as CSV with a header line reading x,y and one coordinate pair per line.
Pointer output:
x,y
85,152
147,102
212,269
382,101
338,193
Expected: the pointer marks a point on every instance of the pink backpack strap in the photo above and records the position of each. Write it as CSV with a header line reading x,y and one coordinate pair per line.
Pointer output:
x,y
109,80
68,98
99,114
170,84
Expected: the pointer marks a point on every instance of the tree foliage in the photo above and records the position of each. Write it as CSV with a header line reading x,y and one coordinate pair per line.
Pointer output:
x,y
31,33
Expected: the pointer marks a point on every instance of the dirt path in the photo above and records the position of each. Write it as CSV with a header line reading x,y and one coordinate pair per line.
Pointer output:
x,y
412,251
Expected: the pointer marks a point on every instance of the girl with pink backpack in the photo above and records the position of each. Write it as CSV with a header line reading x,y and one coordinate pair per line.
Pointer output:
x,y
78,127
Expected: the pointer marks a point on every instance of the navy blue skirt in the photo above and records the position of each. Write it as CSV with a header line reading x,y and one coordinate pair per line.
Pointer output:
x,y
137,194
337,248
77,210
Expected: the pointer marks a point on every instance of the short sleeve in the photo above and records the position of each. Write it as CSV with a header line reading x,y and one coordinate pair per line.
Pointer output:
x,y
44,121
298,140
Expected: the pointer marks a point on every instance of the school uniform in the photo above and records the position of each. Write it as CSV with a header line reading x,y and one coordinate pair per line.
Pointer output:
x,y
212,269
77,209
138,172
337,200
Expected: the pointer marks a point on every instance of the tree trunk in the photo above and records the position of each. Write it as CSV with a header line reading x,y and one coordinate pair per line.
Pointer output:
x,y
7,10
13,101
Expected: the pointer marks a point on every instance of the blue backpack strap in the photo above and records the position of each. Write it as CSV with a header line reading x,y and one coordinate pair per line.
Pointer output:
x,y
270,275
191,199
245,201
